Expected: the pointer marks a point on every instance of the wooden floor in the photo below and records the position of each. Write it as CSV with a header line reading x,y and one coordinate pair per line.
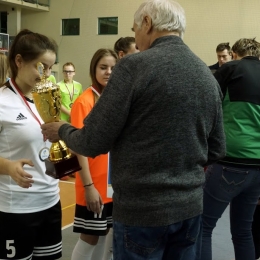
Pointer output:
x,y
67,197
222,245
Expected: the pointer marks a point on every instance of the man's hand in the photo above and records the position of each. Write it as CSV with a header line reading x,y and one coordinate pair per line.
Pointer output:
x,y
17,173
50,130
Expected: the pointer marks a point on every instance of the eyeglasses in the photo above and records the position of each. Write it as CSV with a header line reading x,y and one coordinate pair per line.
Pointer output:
x,y
68,71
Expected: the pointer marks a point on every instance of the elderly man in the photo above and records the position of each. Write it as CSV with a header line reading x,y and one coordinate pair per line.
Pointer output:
x,y
160,117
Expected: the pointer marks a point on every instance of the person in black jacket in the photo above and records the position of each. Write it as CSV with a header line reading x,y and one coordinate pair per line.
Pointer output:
x,y
235,179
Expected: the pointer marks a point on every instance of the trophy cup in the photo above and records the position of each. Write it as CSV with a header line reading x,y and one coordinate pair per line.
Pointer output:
x,y
47,100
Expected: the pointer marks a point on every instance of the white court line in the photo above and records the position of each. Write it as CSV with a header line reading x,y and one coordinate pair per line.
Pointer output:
x,y
67,226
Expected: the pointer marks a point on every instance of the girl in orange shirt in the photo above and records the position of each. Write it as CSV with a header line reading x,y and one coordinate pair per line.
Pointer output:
x,y
93,216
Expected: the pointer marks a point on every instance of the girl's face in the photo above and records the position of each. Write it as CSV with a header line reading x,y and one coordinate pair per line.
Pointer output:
x,y
104,69
28,74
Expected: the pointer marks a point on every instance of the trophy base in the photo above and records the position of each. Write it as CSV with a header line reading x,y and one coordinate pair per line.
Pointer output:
x,y
62,168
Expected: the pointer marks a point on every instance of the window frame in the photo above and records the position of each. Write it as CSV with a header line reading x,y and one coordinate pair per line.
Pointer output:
x,y
63,30
100,19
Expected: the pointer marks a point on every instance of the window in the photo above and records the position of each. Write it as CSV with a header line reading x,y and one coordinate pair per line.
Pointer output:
x,y
108,25
70,26
4,42
3,22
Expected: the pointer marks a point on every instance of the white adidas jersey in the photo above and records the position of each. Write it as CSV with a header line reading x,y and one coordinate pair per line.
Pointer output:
x,y
21,137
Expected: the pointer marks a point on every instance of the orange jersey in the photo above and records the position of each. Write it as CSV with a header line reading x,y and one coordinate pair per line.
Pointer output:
x,y
97,166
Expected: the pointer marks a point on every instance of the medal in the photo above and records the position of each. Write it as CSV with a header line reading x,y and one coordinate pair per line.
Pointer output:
x,y
70,93
44,153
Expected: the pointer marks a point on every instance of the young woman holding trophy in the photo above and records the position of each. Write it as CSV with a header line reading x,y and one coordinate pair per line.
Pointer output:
x,y
93,217
30,210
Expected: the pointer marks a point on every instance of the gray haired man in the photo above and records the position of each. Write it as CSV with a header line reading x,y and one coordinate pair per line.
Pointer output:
x,y
160,117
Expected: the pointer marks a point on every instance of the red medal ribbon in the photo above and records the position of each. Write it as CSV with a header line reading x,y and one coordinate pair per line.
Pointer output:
x,y
26,103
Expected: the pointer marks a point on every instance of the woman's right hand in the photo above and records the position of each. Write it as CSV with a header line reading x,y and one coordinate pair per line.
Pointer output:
x,y
93,199
17,173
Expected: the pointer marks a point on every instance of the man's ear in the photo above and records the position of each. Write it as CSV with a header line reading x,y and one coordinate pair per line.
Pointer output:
x,y
148,25
18,60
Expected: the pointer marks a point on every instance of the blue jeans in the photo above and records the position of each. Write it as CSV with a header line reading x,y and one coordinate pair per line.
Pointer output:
x,y
178,241
241,188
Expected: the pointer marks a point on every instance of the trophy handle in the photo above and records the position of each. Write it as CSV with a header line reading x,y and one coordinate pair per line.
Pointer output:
x,y
41,70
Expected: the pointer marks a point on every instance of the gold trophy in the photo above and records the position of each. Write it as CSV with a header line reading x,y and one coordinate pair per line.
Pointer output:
x,y
47,100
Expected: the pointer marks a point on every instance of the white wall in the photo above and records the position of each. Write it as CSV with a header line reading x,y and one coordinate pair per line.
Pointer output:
x,y
209,22
80,49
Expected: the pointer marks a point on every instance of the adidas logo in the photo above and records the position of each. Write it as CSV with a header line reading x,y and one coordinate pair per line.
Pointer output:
x,y
20,117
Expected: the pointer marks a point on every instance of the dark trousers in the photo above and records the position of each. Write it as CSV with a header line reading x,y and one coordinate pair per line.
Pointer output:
x,y
179,241
239,187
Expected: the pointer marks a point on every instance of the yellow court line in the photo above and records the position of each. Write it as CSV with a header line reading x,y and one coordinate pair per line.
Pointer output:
x,y
69,206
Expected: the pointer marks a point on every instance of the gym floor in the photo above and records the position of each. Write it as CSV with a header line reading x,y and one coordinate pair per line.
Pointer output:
x,y
222,245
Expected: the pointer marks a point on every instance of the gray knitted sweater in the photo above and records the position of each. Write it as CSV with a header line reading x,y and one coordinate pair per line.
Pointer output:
x,y
160,116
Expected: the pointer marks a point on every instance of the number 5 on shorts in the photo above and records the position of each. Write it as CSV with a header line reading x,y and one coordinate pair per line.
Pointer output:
x,y
11,248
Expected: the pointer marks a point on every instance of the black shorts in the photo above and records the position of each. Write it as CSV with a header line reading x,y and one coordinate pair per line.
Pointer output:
x,y
86,222
31,235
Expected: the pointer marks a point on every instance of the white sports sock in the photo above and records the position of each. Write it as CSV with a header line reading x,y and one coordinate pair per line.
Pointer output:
x,y
99,249
82,251
109,246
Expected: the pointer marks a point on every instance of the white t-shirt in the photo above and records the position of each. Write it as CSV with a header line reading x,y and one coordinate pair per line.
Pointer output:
x,y
21,137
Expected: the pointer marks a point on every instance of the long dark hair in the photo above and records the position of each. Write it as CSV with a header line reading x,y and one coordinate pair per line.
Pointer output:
x,y
30,46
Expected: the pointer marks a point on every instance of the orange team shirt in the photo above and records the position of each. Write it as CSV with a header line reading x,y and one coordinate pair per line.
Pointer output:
x,y
97,166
